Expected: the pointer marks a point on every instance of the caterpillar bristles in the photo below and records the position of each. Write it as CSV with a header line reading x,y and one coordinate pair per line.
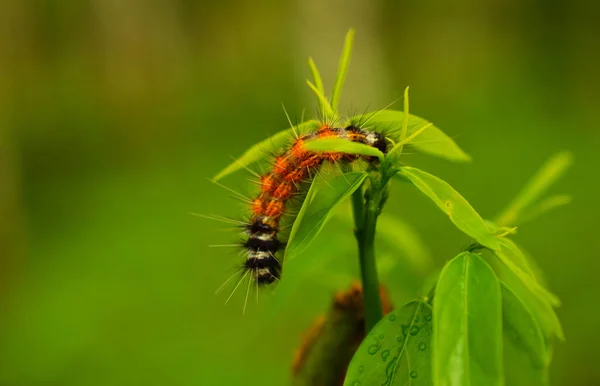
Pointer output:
x,y
291,172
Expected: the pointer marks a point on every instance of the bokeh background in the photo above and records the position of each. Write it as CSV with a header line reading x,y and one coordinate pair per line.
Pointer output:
x,y
113,113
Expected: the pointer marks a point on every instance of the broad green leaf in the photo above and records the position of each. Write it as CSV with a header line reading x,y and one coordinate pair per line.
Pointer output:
x,y
342,69
511,259
321,199
539,308
397,351
551,171
265,148
459,210
525,355
343,146
404,239
432,141
467,311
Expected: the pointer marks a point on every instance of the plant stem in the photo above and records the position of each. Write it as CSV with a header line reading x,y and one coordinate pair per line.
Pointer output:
x,y
366,223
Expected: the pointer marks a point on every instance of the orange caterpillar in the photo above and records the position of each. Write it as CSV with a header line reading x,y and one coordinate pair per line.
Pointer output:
x,y
277,186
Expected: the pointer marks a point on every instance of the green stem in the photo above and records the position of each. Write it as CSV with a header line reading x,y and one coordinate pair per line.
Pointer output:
x,y
366,223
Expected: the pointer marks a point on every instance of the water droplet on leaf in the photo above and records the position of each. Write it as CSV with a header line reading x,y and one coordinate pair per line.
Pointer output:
x,y
413,374
385,354
374,348
361,369
422,346
414,330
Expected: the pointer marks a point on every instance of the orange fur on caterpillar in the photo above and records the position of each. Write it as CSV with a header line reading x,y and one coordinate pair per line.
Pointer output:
x,y
290,169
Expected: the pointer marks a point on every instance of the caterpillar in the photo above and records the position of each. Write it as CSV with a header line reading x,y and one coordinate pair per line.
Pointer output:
x,y
290,169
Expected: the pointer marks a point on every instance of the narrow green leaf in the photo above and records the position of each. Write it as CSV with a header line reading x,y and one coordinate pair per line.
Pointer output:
x,y
459,210
343,146
406,115
525,354
328,111
405,240
265,148
318,83
397,149
397,351
551,171
467,311
321,199
543,207
342,69
433,141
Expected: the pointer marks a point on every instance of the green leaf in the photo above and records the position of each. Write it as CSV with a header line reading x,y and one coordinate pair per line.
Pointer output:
x,y
321,199
467,310
265,148
394,154
459,210
397,351
405,240
525,355
432,141
514,260
327,110
543,207
317,78
539,308
342,145
342,69
551,171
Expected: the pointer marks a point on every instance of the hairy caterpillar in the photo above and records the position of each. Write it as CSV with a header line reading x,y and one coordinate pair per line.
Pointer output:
x,y
290,168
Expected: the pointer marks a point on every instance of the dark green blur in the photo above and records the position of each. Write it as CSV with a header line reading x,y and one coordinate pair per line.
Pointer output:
x,y
113,113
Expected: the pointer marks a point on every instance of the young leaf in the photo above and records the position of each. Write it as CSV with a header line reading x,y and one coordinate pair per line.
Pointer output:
x,y
432,141
397,149
467,311
321,199
318,83
551,171
342,145
543,207
264,148
342,69
459,210
327,110
406,241
525,355
397,351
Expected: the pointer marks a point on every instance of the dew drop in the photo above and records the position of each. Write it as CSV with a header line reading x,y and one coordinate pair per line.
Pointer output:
x,y
413,374
373,349
417,319
361,369
385,354
428,318
422,346
392,317
381,336
356,383
404,329
414,330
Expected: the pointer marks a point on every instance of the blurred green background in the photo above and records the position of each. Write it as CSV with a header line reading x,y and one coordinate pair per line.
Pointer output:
x,y
113,113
